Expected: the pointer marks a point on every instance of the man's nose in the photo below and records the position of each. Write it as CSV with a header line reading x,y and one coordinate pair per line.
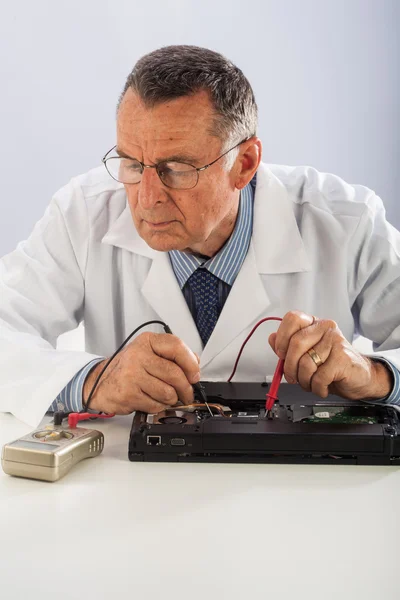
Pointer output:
x,y
151,190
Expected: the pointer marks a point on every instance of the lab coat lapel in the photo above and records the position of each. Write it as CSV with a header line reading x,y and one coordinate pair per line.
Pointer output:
x,y
160,288
162,291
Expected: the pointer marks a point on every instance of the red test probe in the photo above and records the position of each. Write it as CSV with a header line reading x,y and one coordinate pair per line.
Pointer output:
x,y
74,418
272,395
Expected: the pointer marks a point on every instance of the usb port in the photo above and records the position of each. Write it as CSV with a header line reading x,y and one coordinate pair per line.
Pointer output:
x,y
177,442
154,440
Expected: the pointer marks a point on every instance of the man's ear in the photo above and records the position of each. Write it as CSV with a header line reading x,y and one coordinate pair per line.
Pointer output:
x,y
248,160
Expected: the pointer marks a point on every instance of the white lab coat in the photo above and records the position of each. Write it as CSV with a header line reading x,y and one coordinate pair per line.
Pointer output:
x,y
318,244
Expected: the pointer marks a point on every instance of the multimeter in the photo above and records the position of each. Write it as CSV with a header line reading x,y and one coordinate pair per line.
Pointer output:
x,y
49,453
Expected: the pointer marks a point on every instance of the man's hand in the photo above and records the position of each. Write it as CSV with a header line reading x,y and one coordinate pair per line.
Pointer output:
x,y
151,374
343,371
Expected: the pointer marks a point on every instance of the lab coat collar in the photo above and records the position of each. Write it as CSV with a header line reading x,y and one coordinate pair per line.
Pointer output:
x,y
277,243
278,246
123,234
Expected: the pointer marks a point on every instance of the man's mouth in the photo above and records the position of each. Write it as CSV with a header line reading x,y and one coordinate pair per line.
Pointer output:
x,y
158,224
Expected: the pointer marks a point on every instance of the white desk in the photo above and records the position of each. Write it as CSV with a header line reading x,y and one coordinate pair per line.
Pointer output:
x,y
116,529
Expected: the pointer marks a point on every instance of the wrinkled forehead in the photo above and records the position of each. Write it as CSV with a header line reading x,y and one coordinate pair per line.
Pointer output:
x,y
182,124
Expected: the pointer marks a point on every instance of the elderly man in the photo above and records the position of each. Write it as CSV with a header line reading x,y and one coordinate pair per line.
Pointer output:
x,y
185,225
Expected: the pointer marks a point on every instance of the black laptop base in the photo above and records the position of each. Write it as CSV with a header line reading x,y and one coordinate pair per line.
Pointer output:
x,y
303,429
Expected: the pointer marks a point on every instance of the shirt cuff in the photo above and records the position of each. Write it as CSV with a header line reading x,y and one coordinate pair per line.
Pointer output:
x,y
70,398
394,396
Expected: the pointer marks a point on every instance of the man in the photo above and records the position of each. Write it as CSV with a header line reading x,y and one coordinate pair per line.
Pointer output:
x,y
187,226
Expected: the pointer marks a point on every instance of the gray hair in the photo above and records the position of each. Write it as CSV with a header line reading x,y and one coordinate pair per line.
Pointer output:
x,y
175,71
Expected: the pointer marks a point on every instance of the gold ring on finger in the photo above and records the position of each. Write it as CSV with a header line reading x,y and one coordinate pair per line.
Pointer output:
x,y
315,357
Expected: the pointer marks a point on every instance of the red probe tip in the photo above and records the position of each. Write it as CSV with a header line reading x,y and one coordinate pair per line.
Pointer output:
x,y
73,418
272,395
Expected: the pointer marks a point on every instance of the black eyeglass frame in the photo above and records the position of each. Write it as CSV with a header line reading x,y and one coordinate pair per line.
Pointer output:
x,y
156,167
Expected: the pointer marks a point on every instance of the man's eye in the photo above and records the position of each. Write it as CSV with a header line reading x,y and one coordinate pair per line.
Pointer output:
x,y
175,169
165,170
131,166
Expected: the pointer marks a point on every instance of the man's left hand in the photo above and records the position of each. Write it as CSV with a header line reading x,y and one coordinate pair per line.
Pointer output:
x,y
321,360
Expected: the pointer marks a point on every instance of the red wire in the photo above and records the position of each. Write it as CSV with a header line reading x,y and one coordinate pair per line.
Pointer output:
x,y
272,395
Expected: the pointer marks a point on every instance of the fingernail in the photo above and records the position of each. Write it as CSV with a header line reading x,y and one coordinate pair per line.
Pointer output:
x,y
196,378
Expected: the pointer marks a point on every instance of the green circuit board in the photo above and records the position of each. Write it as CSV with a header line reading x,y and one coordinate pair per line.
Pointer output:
x,y
342,418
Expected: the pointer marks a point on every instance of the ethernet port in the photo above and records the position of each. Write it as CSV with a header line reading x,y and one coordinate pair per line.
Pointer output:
x,y
154,440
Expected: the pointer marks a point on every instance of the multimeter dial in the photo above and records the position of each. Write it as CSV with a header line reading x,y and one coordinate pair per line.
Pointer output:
x,y
45,436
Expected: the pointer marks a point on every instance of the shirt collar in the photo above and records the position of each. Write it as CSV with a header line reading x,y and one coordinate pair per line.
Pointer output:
x,y
227,262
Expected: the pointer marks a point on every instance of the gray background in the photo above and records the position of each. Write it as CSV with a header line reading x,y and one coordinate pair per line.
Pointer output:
x,y
325,74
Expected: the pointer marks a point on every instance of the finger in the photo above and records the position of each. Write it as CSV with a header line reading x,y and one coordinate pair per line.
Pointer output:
x,y
148,405
305,339
292,322
307,367
333,371
139,401
172,375
174,349
323,378
158,390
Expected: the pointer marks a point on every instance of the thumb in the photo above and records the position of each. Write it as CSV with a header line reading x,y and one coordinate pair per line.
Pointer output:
x,y
197,356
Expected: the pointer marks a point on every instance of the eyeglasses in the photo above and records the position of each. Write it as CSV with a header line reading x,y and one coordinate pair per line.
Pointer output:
x,y
176,175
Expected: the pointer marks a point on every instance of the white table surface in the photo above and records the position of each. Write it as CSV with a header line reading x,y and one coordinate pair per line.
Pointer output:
x,y
115,529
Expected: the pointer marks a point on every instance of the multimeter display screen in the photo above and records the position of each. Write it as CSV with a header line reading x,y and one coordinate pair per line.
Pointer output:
x,y
34,445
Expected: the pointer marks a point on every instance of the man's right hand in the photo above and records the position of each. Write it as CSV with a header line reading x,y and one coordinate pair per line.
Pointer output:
x,y
150,374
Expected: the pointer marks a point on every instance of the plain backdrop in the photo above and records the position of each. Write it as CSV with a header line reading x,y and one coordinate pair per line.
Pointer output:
x,y
325,74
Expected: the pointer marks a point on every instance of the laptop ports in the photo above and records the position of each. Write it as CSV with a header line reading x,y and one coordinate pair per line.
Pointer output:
x,y
154,440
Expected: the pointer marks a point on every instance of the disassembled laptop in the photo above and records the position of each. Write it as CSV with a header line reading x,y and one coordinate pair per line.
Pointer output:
x,y
301,428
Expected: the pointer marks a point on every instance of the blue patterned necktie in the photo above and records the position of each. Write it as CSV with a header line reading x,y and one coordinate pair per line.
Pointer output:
x,y
204,286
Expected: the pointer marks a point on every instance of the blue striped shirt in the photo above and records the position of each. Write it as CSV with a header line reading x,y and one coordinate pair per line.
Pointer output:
x,y
225,265
70,398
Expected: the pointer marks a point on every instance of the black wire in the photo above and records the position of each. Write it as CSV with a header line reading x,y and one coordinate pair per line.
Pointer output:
x,y
166,329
